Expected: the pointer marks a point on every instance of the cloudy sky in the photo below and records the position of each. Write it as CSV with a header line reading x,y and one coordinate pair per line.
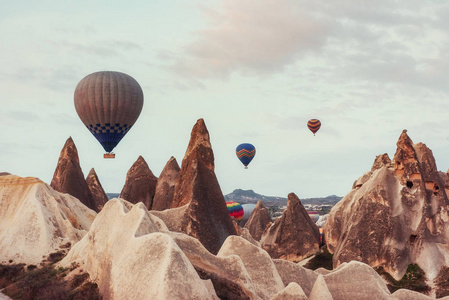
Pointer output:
x,y
255,71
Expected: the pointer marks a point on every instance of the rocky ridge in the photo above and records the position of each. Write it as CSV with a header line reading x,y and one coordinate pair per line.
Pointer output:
x,y
36,220
68,176
140,184
395,215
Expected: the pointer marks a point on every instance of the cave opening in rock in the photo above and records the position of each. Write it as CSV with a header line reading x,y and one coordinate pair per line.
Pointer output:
x,y
436,189
413,238
409,184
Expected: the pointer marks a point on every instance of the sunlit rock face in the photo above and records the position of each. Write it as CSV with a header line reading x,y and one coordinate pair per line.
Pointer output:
x,y
293,236
165,187
228,274
99,195
140,184
130,255
36,220
206,215
257,263
258,221
68,177
395,215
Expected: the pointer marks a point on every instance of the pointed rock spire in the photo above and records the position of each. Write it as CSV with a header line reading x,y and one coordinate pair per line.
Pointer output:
x,y
408,201
293,236
165,187
258,221
198,155
68,177
206,217
140,184
97,191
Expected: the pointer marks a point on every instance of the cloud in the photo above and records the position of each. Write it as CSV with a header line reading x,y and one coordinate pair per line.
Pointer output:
x,y
252,37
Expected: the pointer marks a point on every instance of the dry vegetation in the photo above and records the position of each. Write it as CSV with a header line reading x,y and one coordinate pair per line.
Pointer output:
x,y
46,281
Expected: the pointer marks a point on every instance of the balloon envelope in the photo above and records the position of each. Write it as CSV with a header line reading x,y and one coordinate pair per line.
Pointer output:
x,y
314,125
108,103
245,152
235,210
314,215
247,211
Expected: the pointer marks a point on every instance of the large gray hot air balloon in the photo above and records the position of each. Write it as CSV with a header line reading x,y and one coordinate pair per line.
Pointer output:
x,y
108,103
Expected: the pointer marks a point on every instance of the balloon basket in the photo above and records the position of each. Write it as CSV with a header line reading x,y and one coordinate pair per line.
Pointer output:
x,y
246,167
109,155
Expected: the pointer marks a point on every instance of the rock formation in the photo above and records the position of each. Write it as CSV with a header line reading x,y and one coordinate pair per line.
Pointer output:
x,y
140,184
292,291
258,264
130,256
227,273
292,272
294,236
258,221
165,187
36,220
206,216
68,177
98,194
395,215
356,280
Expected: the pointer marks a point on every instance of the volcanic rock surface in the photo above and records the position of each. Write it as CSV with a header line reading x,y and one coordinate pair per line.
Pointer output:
x,y
293,236
140,185
258,221
165,187
68,176
130,256
99,195
395,215
206,216
36,220
130,253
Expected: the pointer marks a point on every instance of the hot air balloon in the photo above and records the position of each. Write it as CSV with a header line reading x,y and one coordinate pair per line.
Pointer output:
x,y
245,152
247,211
108,103
314,125
235,210
314,215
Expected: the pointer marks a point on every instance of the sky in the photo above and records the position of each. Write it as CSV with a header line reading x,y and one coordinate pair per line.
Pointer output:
x,y
255,71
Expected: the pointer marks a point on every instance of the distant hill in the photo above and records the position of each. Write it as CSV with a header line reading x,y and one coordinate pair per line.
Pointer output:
x,y
249,196
112,195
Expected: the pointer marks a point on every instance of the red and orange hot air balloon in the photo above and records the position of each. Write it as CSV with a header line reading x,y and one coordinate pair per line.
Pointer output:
x,y
314,125
108,103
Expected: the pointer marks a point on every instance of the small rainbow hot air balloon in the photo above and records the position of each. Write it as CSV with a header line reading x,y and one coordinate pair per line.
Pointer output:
x,y
245,152
235,210
314,125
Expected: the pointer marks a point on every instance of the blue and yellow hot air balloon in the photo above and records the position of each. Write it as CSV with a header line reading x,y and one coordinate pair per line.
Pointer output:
x,y
314,125
108,103
245,152
235,210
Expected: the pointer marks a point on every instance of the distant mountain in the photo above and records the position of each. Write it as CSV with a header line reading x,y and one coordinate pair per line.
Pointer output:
x,y
113,195
249,196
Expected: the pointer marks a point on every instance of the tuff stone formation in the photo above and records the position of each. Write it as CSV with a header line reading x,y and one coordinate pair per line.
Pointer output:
x,y
293,236
258,221
140,185
395,215
69,178
165,187
206,216
130,256
36,220
99,195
